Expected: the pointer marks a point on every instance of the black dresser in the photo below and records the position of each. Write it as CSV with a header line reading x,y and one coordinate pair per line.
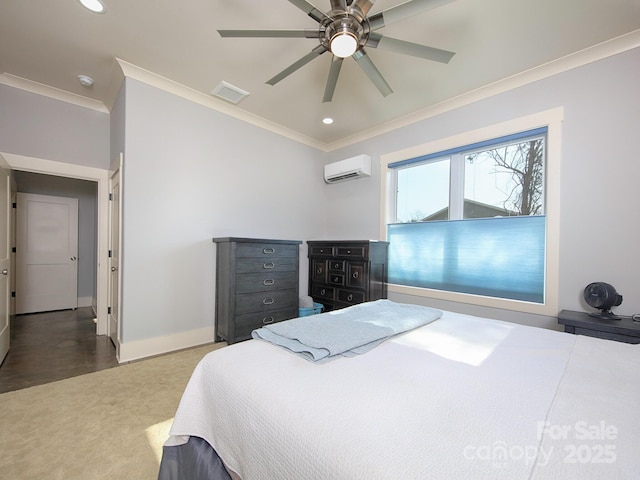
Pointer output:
x,y
347,272
256,284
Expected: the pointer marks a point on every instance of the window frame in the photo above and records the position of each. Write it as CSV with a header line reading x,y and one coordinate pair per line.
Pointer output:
x,y
552,119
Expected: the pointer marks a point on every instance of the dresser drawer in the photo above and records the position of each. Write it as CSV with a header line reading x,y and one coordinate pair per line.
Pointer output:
x,y
266,250
245,324
336,265
351,252
265,301
271,264
356,274
321,251
347,296
265,282
319,270
322,292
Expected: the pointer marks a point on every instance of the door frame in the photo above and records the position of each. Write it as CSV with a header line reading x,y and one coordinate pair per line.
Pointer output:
x,y
69,170
117,174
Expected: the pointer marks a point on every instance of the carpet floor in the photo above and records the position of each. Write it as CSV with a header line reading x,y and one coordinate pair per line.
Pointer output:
x,y
105,425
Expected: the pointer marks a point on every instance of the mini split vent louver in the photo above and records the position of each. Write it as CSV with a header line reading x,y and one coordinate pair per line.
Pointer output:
x,y
351,168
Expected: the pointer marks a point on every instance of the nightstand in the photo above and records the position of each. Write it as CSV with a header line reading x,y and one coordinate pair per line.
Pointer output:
x,y
581,323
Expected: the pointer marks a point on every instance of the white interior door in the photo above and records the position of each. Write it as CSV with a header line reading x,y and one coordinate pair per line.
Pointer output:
x,y
47,253
114,261
5,259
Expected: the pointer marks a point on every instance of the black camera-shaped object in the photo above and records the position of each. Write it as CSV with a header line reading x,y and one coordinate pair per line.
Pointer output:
x,y
602,296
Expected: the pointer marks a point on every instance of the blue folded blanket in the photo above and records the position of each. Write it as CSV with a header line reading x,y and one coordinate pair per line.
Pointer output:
x,y
346,332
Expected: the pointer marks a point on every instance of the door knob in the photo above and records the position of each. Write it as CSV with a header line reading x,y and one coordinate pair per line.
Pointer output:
x,y
5,272
73,259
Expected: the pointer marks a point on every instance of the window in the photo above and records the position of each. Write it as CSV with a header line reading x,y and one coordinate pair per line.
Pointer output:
x,y
470,220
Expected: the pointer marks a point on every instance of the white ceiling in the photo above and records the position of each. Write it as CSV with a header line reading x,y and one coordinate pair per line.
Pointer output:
x,y
51,42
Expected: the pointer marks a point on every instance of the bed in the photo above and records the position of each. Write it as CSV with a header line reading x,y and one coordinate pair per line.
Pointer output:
x,y
458,397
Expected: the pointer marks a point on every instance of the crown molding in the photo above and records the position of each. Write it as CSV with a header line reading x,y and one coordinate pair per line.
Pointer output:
x,y
132,71
52,92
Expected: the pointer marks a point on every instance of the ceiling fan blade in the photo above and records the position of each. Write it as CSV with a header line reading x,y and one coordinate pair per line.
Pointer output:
x,y
363,5
334,71
306,33
319,50
402,11
309,9
372,72
338,4
409,48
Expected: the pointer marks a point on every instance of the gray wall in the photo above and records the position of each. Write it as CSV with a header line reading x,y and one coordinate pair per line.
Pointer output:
x,y
37,126
191,174
86,193
599,222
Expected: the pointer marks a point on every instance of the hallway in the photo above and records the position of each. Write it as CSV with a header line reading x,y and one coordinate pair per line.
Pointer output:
x,y
51,346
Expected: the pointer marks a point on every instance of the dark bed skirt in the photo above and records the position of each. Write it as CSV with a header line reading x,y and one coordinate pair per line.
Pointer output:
x,y
195,460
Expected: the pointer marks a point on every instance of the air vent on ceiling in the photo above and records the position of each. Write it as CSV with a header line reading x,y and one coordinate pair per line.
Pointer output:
x,y
229,92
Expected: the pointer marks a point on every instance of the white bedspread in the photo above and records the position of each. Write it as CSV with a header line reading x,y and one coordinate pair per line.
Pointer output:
x,y
460,398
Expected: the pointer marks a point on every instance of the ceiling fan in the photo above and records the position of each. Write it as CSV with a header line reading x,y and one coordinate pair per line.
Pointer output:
x,y
345,31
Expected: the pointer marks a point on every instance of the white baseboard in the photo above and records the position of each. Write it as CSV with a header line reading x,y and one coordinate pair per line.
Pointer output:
x,y
138,349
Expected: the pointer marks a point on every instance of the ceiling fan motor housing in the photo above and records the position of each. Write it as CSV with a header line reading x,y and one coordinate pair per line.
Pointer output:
x,y
344,26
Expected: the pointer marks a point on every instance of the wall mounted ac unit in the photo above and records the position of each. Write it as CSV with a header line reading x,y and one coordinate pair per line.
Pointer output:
x,y
351,168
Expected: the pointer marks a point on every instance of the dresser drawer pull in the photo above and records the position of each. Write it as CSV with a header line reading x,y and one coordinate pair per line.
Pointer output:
x,y
268,301
350,298
269,265
268,250
355,275
267,320
268,282
323,292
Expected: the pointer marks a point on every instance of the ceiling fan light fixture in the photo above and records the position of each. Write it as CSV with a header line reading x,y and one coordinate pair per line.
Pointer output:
x,y
344,43
96,6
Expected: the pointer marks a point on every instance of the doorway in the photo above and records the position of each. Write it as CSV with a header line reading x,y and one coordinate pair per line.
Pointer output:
x,y
60,201
100,178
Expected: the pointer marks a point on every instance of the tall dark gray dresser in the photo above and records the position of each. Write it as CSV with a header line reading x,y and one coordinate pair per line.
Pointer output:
x,y
256,284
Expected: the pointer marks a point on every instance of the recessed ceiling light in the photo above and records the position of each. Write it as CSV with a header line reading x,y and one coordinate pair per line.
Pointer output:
x,y
95,6
85,80
327,120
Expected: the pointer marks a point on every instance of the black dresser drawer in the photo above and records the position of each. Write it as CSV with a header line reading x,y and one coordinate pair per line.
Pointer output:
x,y
351,252
321,251
322,292
350,297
